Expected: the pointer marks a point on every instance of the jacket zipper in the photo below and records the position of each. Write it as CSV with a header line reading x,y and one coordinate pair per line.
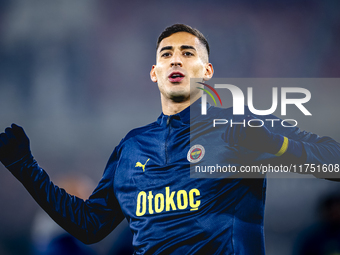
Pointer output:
x,y
166,140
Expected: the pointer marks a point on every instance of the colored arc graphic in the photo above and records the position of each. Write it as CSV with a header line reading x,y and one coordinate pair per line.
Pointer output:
x,y
213,90
206,91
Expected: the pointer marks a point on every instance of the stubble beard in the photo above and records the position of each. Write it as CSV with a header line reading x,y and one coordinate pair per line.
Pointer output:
x,y
175,95
183,95
179,96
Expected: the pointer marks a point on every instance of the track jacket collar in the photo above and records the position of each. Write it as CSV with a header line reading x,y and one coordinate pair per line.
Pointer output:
x,y
193,111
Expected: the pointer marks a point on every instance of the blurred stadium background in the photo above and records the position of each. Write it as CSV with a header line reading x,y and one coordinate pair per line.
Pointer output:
x,y
75,75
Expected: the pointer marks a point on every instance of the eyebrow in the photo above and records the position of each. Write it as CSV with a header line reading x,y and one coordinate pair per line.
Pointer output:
x,y
183,47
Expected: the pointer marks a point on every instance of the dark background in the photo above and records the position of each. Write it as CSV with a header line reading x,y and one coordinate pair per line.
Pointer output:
x,y
75,75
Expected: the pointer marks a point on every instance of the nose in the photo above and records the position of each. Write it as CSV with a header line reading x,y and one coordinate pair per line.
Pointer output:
x,y
176,60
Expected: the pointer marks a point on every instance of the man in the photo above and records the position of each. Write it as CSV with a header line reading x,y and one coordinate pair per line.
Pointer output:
x,y
147,178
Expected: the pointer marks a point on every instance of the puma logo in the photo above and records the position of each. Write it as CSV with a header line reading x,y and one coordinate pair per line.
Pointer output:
x,y
138,164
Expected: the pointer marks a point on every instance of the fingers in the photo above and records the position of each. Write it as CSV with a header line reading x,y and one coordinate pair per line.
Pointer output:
x,y
2,145
14,145
10,135
4,139
19,133
234,134
16,128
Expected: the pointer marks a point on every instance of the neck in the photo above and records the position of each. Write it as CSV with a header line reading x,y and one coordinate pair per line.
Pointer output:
x,y
170,107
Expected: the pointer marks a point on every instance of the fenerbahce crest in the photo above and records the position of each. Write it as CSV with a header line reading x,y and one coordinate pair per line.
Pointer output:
x,y
196,153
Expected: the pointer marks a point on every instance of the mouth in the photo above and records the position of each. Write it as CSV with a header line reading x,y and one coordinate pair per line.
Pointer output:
x,y
176,77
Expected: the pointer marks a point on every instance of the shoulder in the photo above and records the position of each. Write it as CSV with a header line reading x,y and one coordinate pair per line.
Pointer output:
x,y
133,133
214,111
227,113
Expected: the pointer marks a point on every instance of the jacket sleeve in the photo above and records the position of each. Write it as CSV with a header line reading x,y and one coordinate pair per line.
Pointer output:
x,y
89,221
316,149
323,153
320,151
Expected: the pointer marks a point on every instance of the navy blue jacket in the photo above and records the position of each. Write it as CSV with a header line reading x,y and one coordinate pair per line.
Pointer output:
x,y
147,181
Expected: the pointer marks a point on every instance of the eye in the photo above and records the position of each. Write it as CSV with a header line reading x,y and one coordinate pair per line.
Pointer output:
x,y
188,53
166,54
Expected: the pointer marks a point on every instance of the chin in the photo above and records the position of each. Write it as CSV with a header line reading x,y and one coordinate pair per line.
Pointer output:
x,y
179,96
178,99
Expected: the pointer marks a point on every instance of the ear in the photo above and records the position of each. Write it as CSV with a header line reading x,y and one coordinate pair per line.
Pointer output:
x,y
153,74
209,71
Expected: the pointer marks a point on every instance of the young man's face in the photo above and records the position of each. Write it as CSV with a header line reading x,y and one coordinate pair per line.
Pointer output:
x,y
180,57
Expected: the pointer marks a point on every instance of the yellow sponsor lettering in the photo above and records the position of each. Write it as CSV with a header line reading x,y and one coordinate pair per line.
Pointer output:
x,y
159,203
169,199
182,203
156,203
141,204
150,197
194,205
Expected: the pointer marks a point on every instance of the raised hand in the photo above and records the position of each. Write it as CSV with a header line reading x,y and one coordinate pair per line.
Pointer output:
x,y
14,145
